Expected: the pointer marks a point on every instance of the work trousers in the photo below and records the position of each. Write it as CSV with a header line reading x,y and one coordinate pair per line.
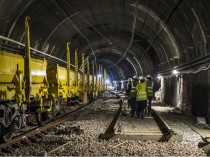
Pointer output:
x,y
129,102
149,104
141,105
133,105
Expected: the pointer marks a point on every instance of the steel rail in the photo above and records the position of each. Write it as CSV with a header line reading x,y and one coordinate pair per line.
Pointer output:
x,y
38,130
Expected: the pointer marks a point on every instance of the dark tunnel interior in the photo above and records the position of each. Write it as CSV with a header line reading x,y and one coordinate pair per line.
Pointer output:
x,y
126,37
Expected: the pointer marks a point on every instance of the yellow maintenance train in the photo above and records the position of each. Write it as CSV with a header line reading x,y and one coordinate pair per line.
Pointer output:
x,y
35,86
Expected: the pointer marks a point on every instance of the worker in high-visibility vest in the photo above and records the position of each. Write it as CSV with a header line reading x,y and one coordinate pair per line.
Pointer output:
x,y
133,95
141,97
128,90
150,93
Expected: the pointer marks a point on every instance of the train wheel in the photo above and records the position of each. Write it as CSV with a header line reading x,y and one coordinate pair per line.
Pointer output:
x,y
6,135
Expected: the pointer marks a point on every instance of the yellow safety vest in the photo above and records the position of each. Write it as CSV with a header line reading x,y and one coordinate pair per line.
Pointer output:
x,y
149,88
141,92
133,89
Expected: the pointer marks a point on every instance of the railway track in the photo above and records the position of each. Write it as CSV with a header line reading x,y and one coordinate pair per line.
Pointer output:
x,y
117,96
166,131
154,127
70,141
36,133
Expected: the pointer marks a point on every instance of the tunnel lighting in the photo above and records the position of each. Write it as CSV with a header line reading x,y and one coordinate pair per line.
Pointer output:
x,y
99,75
159,77
107,81
175,72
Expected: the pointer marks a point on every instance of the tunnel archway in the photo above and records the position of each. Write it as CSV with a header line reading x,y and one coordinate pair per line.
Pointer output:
x,y
125,36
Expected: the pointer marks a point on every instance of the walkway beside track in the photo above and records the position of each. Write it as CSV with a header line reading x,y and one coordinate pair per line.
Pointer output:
x,y
152,127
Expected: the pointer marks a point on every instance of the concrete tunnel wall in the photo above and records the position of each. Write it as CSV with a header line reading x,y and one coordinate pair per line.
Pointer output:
x,y
189,92
167,33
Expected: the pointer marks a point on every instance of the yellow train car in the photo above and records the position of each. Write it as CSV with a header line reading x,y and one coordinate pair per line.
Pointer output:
x,y
12,74
73,90
12,109
39,86
13,105
33,86
58,89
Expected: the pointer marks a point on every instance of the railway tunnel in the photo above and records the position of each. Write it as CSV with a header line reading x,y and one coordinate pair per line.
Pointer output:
x,y
167,39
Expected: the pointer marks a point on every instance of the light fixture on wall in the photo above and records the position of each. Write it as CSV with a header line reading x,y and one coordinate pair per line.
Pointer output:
x,y
107,81
175,72
159,77
99,75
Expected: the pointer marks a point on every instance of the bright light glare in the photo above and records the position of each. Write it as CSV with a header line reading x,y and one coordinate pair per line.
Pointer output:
x,y
175,72
107,81
99,75
159,77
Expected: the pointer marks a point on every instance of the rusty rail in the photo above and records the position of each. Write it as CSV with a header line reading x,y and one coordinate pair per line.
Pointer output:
x,y
36,132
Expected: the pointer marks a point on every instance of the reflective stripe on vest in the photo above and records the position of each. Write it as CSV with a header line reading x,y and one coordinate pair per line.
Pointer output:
x,y
141,92
133,90
149,88
141,96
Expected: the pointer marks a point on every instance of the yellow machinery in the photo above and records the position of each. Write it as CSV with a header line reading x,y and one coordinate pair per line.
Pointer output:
x,y
39,86
59,84
83,83
12,110
58,89
23,88
92,83
36,90
12,74
77,77
33,86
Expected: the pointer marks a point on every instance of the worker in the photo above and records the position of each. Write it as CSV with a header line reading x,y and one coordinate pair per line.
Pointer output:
x,y
133,95
149,85
141,97
128,90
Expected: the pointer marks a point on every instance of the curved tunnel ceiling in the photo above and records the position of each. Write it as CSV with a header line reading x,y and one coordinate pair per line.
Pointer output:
x,y
125,36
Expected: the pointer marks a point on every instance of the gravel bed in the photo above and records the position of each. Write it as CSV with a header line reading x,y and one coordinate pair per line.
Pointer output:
x,y
92,121
87,145
190,137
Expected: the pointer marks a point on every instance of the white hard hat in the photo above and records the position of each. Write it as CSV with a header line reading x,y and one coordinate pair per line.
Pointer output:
x,y
141,78
130,79
149,76
135,77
